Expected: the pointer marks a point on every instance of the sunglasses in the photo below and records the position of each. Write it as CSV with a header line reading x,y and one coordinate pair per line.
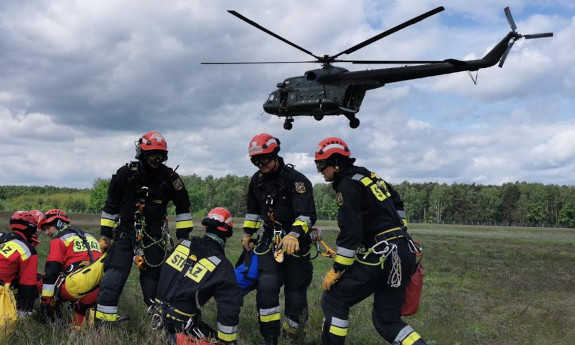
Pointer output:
x,y
320,165
263,160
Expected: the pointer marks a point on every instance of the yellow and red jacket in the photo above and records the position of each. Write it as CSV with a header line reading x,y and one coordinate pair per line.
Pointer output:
x,y
19,267
67,250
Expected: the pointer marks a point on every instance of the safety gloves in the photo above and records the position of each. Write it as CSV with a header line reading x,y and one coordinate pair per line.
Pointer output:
x,y
290,243
104,243
330,278
247,242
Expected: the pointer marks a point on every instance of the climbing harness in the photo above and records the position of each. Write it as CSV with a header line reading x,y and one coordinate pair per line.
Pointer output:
x,y
322,248
278,231
138,227
165,241
384,249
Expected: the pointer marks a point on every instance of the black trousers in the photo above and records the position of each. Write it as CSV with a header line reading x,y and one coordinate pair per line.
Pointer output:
x,y
295,274
119,262
358,283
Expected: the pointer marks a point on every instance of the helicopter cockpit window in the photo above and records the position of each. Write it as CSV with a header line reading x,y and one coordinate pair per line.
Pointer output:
x,y
271,97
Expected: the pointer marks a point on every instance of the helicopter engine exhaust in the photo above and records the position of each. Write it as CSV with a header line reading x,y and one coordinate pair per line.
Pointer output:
x,y
310,76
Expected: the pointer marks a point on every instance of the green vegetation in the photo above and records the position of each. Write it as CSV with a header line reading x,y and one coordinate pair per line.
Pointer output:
x,y
512,204
483,285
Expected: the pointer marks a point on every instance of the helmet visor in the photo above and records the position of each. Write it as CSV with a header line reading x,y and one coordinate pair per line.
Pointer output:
x,y
321,165
261,160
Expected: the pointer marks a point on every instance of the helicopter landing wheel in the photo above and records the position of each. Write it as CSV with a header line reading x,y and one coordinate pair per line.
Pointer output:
x,y
318,115
288,124
354,123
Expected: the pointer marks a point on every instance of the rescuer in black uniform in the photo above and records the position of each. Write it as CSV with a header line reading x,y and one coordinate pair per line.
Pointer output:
x,y
375,254
281,198
139,193
195,271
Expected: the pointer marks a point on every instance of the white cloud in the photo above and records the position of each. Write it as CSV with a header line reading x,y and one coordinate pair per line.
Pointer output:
x,y
80,81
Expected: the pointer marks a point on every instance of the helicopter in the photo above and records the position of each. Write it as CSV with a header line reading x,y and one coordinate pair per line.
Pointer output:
x,y
334,90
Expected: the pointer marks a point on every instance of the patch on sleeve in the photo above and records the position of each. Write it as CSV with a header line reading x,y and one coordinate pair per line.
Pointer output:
x,y
178,184
339,198
300,187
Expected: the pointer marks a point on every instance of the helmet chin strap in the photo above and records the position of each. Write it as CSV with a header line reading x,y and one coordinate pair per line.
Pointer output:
x,y
216,238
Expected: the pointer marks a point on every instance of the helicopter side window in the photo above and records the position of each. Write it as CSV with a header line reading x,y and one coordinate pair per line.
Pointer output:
x,y
271,97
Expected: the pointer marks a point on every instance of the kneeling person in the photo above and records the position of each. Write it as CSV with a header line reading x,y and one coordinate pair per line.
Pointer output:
x,y
195,271
70,249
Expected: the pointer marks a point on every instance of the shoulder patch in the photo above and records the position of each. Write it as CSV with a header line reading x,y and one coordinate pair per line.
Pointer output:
x,y
178,184
300,187
339,198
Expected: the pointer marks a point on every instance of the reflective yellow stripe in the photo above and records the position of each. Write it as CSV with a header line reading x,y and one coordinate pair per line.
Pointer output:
x,y
185,224
106,317
251,224
47,293
302,224
270,318
207,264
412,338
342,332
107,222
343,260
366,181
227,337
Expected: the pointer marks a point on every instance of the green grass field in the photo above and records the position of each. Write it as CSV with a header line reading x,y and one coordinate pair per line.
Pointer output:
x,y
483,285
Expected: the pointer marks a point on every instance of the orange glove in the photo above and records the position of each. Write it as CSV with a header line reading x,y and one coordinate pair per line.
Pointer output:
x,y
330,278
247,243
104,243
290,243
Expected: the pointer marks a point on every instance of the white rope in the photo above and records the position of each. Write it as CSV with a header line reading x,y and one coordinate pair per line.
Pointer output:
x,y
394,279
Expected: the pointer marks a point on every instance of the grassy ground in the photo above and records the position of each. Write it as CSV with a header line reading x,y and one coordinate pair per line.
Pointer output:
x,y
483,285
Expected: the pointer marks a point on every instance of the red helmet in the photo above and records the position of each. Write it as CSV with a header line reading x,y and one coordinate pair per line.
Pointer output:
x,y
38,215
263,144
55,217
152,141
24,222
221,219
330,146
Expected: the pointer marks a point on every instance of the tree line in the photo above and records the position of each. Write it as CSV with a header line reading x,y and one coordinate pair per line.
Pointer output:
x,y
513,204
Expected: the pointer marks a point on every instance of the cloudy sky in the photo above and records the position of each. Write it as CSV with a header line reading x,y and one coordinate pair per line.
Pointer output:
x,y
81,80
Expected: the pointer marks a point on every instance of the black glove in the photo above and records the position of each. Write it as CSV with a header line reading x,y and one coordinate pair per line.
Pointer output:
x,y
47,310
182,233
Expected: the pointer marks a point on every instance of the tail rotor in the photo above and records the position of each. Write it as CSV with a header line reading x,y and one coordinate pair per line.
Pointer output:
x,y
517,35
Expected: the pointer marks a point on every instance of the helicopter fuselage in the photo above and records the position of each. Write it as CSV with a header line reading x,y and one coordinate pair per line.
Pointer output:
x,y
304,95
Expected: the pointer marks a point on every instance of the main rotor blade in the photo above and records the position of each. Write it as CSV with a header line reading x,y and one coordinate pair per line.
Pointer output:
x,y
251,22
254,62
541,35
510,18
391,31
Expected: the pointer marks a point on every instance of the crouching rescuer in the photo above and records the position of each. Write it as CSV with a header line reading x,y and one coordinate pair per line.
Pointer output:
x,y
194,272
70,249
375,254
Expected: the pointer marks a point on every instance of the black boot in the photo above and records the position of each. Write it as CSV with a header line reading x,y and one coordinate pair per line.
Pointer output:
x,y
270,341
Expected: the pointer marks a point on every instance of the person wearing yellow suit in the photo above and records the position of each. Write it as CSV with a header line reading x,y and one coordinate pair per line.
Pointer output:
x,y
19,260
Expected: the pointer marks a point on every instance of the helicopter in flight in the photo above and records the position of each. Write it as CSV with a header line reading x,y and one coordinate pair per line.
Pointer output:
x,y
333,90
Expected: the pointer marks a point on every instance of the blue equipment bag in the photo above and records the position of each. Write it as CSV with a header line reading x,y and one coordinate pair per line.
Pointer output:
x,y
247,271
